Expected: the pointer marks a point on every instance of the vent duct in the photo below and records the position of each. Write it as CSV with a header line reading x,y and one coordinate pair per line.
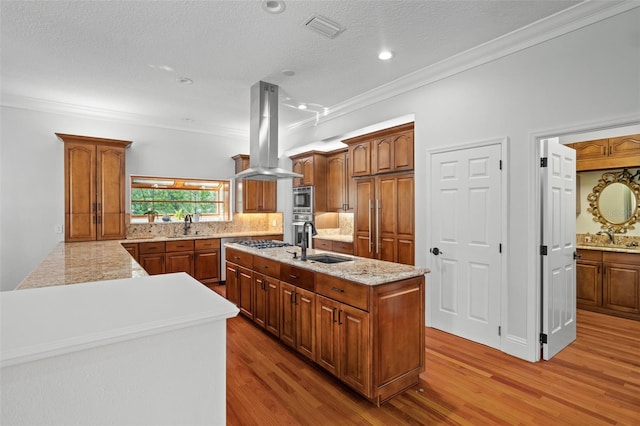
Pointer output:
x,y
323,26
263,136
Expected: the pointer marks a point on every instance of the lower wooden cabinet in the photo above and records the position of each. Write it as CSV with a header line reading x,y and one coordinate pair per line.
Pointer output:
x,y
609,282
332,245
266,303
245,291
232,282
297,319
342,342
153,263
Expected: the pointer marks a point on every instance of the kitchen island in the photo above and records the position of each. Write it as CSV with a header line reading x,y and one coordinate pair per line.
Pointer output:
x,y
362,320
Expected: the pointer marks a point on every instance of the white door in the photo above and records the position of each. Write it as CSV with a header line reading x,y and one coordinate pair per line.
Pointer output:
x,y
559,241
466,197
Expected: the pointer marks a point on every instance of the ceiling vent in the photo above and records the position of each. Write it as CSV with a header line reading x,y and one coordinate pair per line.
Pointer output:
x,y
323,26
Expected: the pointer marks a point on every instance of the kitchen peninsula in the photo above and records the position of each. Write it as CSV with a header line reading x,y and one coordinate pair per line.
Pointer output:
x,y
360,319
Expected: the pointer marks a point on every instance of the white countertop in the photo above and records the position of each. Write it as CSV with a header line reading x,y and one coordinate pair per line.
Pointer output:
x,y
48,321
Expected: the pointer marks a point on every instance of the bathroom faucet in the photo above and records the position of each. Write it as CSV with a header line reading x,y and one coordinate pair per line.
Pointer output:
x,y
610,233
187,223
303,257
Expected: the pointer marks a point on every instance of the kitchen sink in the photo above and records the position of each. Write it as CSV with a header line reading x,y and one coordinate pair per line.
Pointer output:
x,y
327,258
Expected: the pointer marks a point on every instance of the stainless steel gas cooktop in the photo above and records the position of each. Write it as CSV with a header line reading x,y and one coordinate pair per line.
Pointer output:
x,y
262,244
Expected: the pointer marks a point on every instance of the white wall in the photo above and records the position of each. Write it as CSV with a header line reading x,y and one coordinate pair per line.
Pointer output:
x,y
32,174
587,76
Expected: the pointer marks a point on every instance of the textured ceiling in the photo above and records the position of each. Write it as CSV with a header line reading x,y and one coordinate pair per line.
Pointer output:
x,y
124,57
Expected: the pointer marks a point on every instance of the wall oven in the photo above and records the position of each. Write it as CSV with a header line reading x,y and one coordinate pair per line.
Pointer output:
x,y
298,225
303,200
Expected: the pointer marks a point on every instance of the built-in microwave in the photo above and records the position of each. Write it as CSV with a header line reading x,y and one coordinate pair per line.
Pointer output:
x,y
303,200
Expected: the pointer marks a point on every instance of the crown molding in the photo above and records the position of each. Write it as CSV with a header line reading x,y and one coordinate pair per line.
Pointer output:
x,y
54,107
563,22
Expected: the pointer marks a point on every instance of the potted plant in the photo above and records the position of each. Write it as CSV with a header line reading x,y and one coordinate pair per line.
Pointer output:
x,y
151,214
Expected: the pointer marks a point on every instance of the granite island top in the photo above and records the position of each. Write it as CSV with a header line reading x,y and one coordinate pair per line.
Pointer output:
x,y
610,248
335,237
358,269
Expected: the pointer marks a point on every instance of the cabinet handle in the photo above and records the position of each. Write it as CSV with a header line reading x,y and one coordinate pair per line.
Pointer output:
x,y
340,317
295,277
339,290
334,314
379,208
95,207
370,226
236,257
265,267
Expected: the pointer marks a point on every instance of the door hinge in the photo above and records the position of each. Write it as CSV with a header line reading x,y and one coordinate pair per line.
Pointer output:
x,y
500,164
543,339
543,250
500,248
499,331
543,162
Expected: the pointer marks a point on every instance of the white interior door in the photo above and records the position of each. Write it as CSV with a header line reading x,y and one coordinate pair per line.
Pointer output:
x,y
466,195
559,241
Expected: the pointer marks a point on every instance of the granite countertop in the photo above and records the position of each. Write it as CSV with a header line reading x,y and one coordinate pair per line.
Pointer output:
x,y
357,269
178,237
335,237
71,263
611,248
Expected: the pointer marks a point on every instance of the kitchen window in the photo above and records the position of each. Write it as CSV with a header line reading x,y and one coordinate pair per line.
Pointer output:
x,y
173,198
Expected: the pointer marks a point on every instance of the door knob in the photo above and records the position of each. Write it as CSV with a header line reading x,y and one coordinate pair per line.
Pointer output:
x,y
436,251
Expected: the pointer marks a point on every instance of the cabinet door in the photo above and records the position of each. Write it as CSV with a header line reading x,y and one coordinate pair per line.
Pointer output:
x,y
245,291
624,146
327,335
287,314
297,166
621,288
403,152
132,248
110,192
588,283
305,308
231,282
364,217
207,266
355,363
382,155
591,149
269,197
179,262
405,226
252,196
360,155
387,218
259,299
272,319
307,171
336,182
80,192
153,263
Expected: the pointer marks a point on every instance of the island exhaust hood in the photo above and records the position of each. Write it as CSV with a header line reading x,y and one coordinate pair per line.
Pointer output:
x,y
263,136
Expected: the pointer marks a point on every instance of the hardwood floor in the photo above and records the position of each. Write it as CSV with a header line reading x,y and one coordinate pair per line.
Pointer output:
x,y
596,380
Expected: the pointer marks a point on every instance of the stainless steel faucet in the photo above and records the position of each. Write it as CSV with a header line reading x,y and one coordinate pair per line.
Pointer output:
x,y
303,256
610,233
187,223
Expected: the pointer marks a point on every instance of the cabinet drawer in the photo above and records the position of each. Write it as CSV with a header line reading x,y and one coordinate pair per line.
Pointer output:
x,y
625,258
299,277
343,247
181,245
208,244
322,244
157,247
266,266
240,257
595,255
344,291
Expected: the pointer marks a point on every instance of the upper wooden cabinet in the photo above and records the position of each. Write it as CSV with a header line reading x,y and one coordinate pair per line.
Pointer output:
x,y
254,196
340,186
94,188
386,151
313,167
610,153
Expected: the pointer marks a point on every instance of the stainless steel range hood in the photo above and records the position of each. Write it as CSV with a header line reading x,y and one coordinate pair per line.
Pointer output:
x,y
263,136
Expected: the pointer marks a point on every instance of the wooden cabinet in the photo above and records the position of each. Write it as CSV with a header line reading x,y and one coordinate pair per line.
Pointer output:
x,y
331,245
244,280
266,303
95,188
231,282
313,167
340,187
253,196
297,319
384,218
179,256
610,153
609,282
207,261
152,257
386,151
132,248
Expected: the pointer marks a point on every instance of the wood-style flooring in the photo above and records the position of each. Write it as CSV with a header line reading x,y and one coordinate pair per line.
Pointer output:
x,y
595,381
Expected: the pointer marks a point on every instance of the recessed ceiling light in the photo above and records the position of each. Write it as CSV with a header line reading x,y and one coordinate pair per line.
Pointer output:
x,y
166,68
184,80
273,6
302,106
385,55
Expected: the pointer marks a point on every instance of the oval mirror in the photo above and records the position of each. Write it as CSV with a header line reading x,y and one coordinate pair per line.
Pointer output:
x,y
614,201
